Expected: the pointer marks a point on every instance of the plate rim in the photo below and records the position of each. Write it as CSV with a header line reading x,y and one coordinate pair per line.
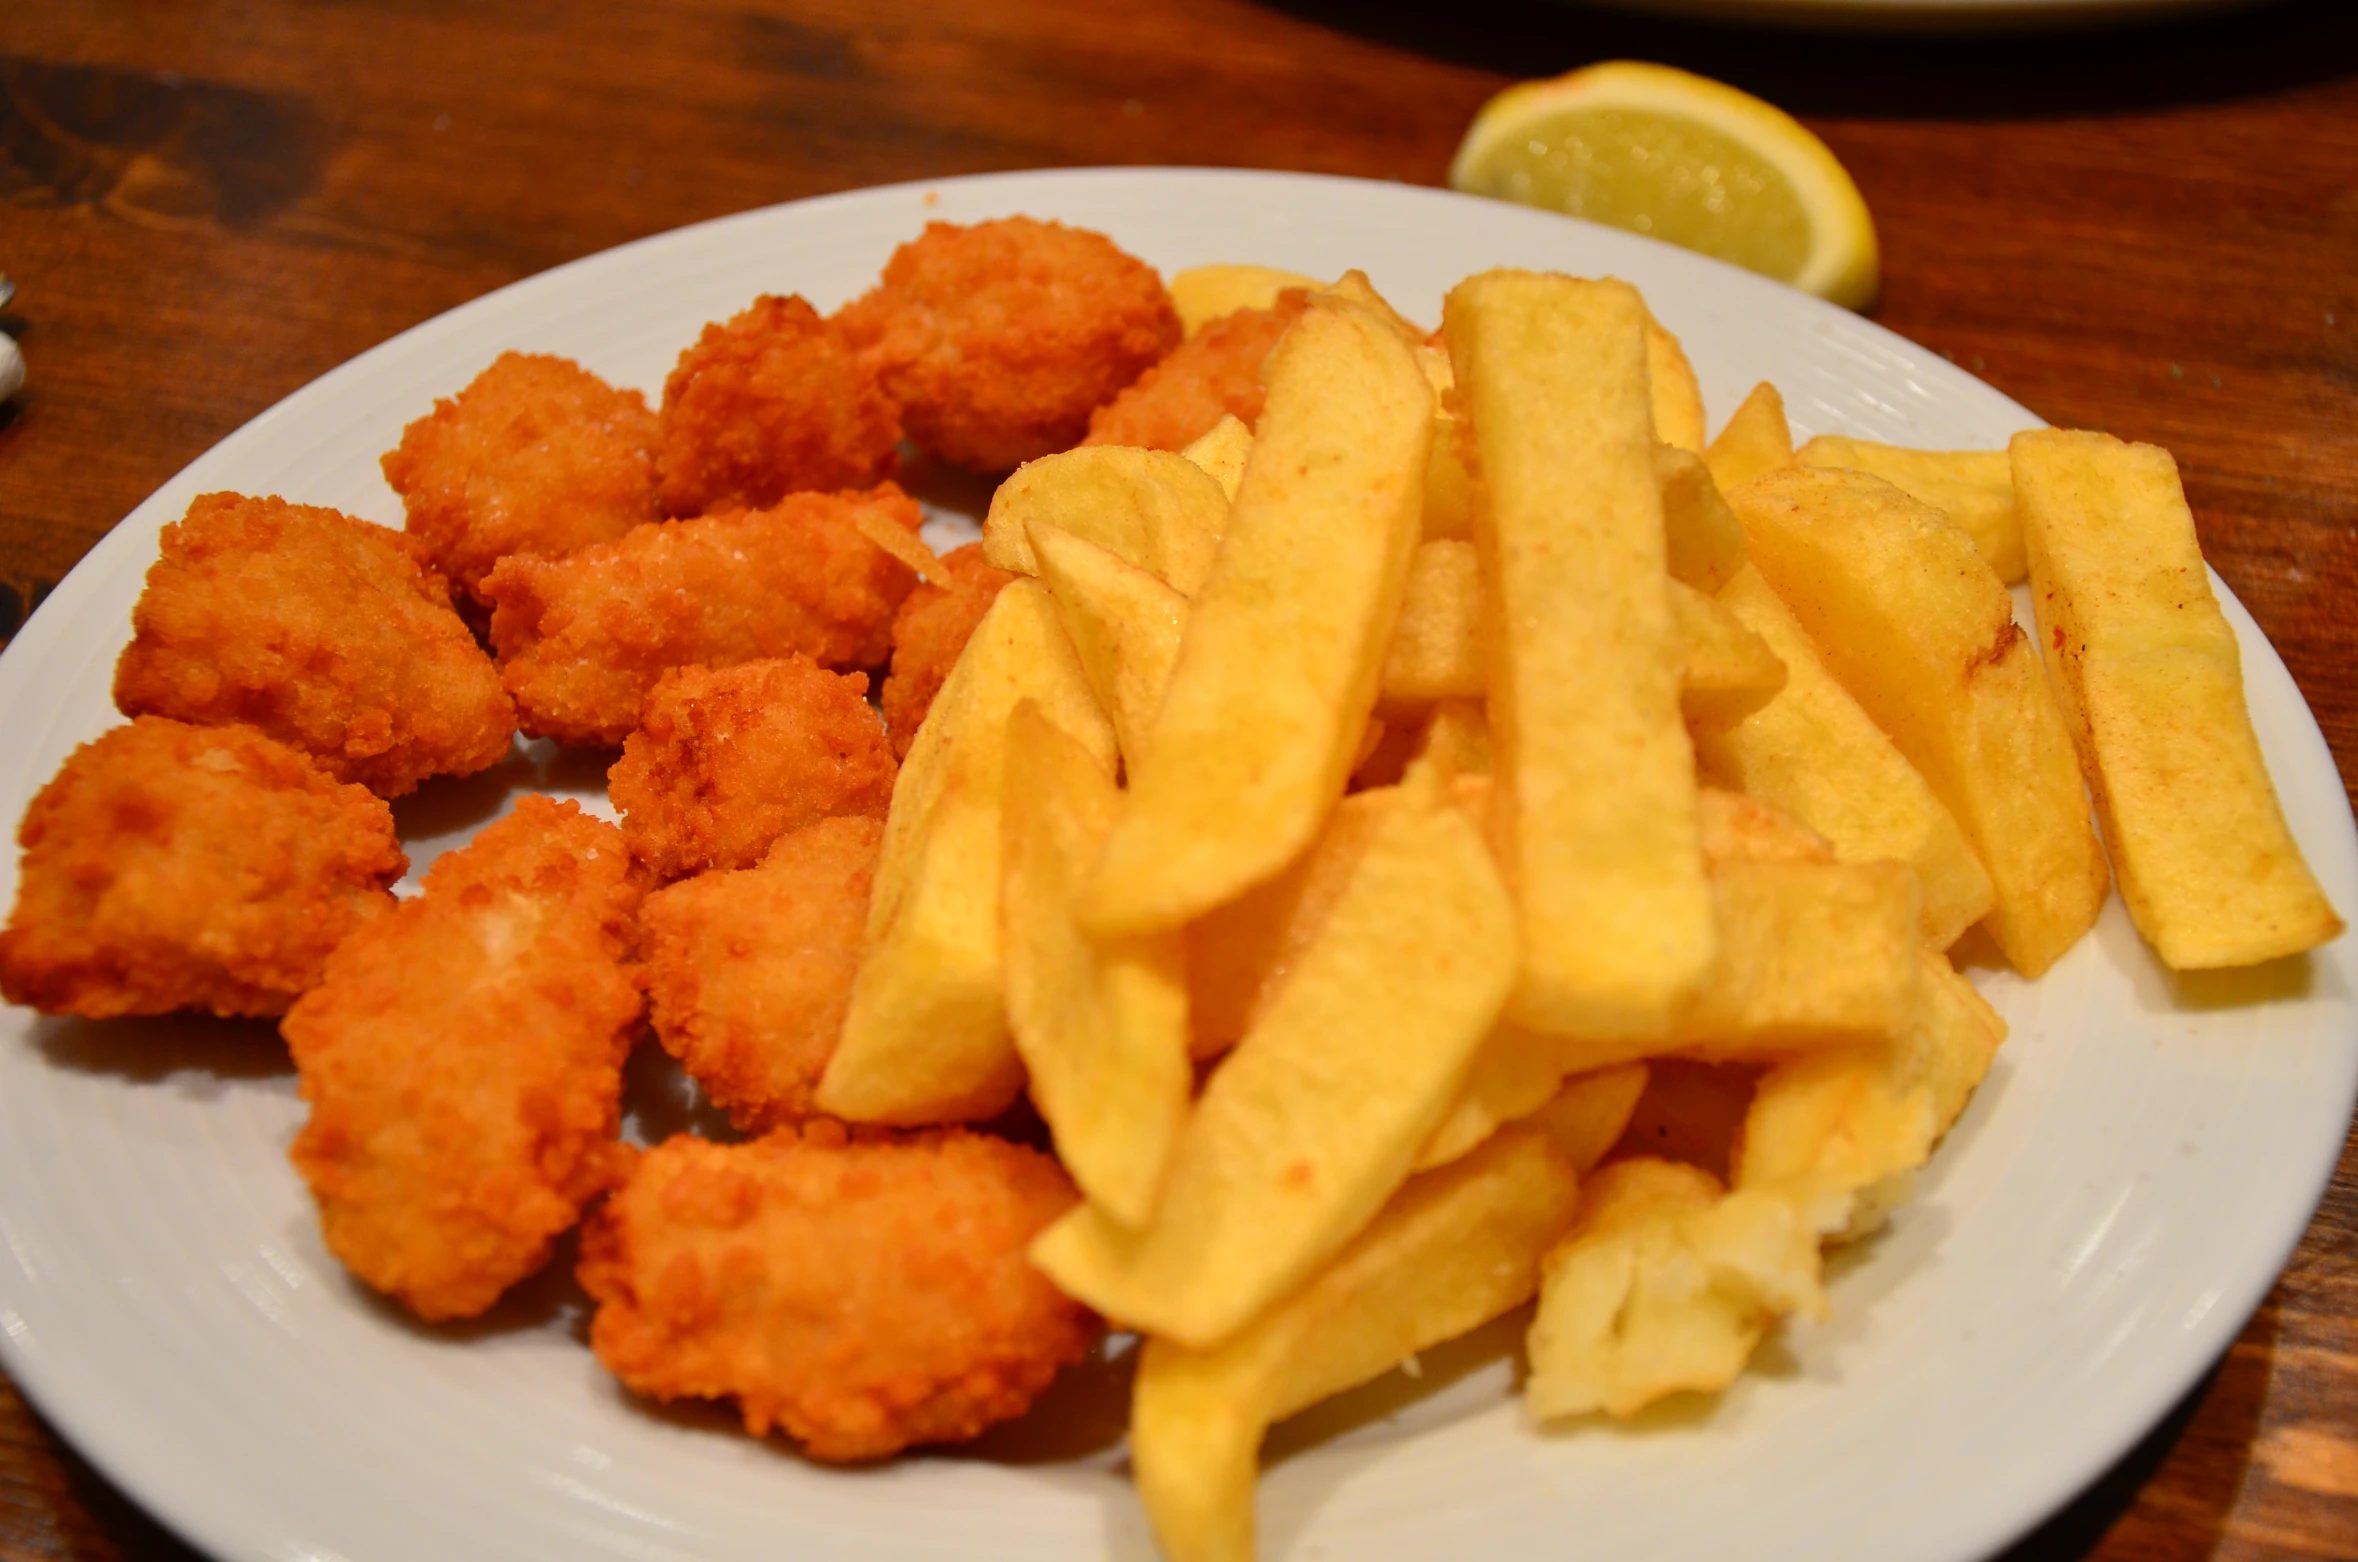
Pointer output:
x,y
104,1445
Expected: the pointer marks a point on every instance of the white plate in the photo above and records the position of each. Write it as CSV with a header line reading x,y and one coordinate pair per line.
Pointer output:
x,y
2117,1200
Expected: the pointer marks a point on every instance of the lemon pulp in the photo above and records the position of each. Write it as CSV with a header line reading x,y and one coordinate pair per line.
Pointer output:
x,y
1662,175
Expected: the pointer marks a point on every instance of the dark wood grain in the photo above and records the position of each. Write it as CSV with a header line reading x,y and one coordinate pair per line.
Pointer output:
x,y
2150,229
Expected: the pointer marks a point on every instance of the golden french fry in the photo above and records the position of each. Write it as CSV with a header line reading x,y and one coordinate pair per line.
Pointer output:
x,y
1813,752
1203,294
1240,954
1811,955
1915,626
1125,625
1515,1073
2147,668
1666,1283
1452,1250
1152,508
1726,670
1312,1122
1101,1028
1973,488
1736,826
1455,740
1588,1115
1260,723
1223,452
1354,287
1595,777
1842,1132
1703,539
1436,651
1755,442
1675,394
925,1039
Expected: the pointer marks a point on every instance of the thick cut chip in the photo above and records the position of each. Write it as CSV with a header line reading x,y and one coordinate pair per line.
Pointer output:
x,y
1596,786
1453,1250
1916,626
1588,1115
1704,538
1842,1132
1240,955
1436,651
1203,294
1261,722
1728,670
1810,954
1725,670
2147,668
1223,452
1102,1028
1125,625
926,1039
1456,742
1812,752
1666,1284
1514,1074
1312,1122
1152,508
1973,488
1676,395
1755,442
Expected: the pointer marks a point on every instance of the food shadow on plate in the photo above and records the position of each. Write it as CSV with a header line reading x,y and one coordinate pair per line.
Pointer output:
x,y
1398,1404
199,1054
947,493
660,1099
445,812
2158,990
548,1299
1084,1413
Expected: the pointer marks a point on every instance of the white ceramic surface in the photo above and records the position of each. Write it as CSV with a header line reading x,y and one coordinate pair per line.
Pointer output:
x,y
2116,1201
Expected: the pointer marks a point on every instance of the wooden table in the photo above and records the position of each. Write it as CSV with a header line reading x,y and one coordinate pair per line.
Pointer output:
x,y
2151,230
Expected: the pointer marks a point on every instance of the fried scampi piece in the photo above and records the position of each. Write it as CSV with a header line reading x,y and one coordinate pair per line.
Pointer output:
x,y
463,1061
169,866
865,1296
1214,374
323,631
537,455
769,403
582,639
749,972
724,762
1000,339
929,631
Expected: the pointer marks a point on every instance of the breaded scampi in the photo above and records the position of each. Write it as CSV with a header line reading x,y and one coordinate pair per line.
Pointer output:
x,y
169,866
1211,375
928,632
864,1296
537,455
582,639
769,403
998,340
463,1061
322,630
749,972
724,762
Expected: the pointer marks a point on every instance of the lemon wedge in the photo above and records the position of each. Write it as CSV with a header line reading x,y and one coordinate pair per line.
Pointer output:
x,y
1681,158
